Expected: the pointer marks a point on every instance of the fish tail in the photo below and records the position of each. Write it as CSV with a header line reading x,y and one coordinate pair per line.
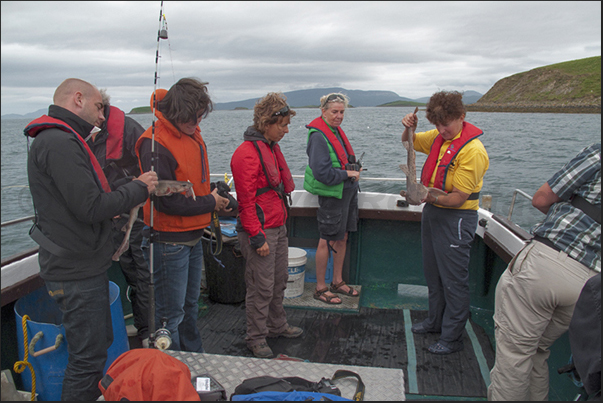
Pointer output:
x,y
122,248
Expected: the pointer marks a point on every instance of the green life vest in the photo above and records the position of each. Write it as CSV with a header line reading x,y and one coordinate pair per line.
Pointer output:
x,y
311,184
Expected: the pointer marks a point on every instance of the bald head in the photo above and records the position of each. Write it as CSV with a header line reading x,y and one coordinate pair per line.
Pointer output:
x,y
82,98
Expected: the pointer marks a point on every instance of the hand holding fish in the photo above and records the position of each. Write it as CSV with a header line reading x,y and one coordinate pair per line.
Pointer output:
x,y
150,180
410,121
159,188
415,193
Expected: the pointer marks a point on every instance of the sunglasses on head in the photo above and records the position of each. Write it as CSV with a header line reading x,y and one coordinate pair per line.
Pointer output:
x,y
283,112
334,98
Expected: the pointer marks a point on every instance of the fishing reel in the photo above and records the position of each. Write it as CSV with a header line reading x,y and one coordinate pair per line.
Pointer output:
x,y
224,191
163,337
353,164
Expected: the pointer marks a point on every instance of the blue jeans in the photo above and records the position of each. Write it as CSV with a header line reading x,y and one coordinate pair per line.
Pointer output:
x,y
87,319
177,277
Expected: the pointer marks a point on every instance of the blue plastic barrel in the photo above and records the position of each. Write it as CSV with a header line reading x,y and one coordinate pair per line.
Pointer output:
x,y
310,276
45,316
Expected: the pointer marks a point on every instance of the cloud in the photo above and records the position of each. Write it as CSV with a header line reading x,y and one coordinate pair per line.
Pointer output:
x,y
245,49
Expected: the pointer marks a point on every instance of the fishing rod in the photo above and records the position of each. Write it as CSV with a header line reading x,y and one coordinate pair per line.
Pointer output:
x,y
161,338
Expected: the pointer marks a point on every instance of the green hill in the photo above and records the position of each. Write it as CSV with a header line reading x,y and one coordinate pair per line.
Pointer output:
x,y
568,87
403,103
141,109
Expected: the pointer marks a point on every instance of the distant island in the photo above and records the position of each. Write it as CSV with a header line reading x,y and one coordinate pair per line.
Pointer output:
x,y
309,99
569,87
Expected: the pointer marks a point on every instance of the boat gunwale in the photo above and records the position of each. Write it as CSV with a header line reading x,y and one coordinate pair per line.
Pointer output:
x,y
372,205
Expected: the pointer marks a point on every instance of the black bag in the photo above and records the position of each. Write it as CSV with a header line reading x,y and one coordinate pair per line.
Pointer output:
x,y
288,384
585,336
294,383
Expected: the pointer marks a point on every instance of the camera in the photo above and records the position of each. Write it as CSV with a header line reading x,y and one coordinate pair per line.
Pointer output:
x,y
224,191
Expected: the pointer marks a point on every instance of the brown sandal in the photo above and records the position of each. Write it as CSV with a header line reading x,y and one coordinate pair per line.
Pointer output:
x,y
327,299
336,288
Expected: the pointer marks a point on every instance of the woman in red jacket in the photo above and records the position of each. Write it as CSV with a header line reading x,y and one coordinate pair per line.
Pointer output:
x,y
263,182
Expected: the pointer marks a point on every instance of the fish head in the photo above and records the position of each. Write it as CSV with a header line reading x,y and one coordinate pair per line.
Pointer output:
x,y
415,193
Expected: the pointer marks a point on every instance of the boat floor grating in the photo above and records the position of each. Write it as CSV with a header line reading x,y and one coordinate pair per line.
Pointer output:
x,y
369,337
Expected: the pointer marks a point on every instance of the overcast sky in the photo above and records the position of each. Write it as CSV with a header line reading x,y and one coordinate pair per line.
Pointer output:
x,y
247,49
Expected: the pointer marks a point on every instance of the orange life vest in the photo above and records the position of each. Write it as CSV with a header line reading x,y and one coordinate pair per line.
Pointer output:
x,y
193,166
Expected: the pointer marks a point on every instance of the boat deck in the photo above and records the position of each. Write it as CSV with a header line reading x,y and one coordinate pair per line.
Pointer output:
x,y
351,335
386,384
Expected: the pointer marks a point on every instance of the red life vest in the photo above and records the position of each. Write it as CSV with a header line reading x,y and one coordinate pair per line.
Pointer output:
x,y
46,122
115,127
468,133
277,172
320,125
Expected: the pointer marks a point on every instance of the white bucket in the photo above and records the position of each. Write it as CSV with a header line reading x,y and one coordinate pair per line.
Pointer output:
x,y
297,272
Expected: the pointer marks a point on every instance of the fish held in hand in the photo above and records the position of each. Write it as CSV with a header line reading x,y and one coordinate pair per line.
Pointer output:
x,y
163,188
415,191
169,187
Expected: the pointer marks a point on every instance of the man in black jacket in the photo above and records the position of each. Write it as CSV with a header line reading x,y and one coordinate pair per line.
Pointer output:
x,y
74,207
114,148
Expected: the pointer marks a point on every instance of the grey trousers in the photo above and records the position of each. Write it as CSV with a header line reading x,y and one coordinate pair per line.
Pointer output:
x,y
446,237
266,280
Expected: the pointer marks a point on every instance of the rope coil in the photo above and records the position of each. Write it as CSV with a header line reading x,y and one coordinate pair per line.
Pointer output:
x,y
21,365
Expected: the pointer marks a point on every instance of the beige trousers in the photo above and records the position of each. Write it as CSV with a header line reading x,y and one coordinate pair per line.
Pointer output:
x,y
535,299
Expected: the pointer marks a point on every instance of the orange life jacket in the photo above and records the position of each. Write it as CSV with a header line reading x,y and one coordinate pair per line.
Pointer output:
x,y
193,166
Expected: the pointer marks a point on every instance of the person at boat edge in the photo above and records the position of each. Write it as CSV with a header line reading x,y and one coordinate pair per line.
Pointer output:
x,y
74,207
113,147
264,183
535,297
332,174
456,164
178,220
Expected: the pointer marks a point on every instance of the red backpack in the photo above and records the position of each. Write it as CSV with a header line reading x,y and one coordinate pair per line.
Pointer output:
x,y
148,375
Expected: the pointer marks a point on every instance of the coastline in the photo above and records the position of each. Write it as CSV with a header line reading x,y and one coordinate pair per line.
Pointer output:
x,y
592,109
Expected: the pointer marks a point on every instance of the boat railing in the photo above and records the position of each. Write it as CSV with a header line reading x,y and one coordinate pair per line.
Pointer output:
x,y
515,193
362,178
18,220
24,253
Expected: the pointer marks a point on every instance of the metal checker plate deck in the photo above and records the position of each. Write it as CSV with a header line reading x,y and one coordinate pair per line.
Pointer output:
x,y
382,384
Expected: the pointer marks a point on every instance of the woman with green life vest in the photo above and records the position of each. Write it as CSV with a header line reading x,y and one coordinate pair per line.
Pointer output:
x,y
332,174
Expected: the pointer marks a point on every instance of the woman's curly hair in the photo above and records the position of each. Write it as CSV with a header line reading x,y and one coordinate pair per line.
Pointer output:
x,y
444,107
266,110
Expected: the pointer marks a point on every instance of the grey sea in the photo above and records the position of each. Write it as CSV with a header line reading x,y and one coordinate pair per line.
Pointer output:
x,y
525,150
